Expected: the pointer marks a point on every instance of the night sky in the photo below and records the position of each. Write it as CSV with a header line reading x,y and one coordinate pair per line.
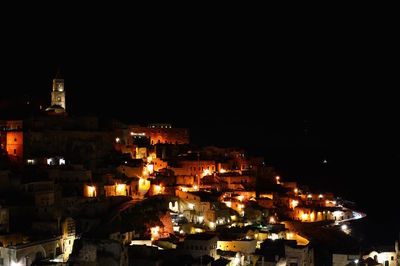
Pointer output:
x,y
294,93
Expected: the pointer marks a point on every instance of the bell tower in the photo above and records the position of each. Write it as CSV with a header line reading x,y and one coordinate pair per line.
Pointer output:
x,y
58,93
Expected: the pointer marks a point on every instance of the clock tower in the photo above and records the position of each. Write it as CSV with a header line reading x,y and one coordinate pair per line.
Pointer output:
x,y
58,93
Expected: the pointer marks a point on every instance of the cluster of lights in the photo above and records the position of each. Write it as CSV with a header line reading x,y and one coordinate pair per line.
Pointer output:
x,y
138,134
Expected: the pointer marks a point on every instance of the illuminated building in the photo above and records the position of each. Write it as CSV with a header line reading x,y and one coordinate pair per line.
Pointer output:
x,y
246,246
89,191
14,145
198,245
161,133
116,190
139,187
58,93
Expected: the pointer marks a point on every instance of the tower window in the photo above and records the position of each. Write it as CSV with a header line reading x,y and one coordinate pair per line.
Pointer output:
x,y
15,151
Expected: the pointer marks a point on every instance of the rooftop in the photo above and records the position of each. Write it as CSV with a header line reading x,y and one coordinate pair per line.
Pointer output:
x,y
201,236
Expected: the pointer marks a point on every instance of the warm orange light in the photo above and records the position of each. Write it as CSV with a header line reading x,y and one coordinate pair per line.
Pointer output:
x,y
271,220
145,172
120,189
157,189
184,189
296,190
206,172
195,187
228,204
294,204
212,225
304,216
91,191
321,196
277,177
149,159
155,232
222,171
241,197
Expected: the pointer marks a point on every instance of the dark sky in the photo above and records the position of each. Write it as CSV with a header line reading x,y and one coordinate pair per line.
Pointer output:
x,y
331,78
294,89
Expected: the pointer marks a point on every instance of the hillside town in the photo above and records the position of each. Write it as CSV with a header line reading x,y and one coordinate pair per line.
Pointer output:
x,y
89,190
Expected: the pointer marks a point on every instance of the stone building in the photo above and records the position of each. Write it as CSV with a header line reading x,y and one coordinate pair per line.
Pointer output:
x,y
58,94
198,245
161,133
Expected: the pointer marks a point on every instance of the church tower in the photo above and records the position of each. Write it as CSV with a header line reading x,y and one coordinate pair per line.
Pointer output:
x,y
58,93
